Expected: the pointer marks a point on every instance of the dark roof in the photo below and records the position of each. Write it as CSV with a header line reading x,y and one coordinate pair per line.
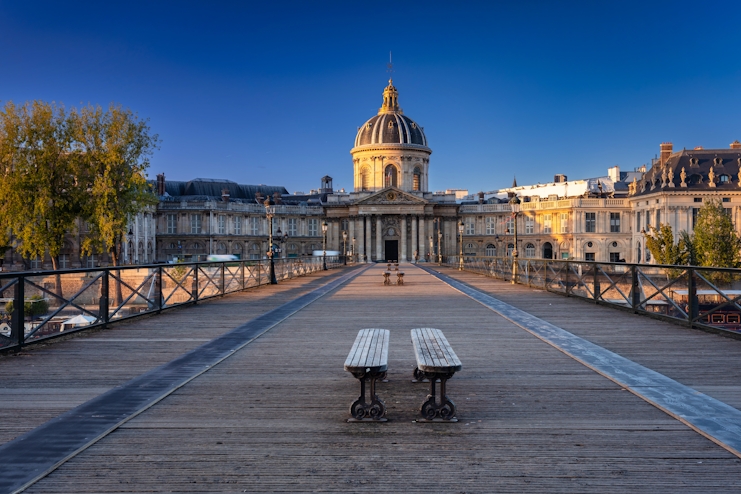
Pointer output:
x,y
208,189
696,164
390,128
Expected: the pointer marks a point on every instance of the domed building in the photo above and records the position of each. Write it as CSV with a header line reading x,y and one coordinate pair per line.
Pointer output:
x,y
390,149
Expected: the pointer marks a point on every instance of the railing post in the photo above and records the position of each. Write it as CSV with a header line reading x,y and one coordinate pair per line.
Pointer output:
x,y
158,287
194,285
104,302
222,279
243,268
596,285
566,278
636,288
693,304
17,334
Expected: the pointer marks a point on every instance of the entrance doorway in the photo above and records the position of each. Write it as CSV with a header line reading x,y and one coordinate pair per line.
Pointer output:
x,y
392,251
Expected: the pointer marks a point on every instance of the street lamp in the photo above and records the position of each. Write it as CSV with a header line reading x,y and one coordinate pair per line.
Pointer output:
x,y
461,226
353,251
269,213
344,247
324,245
439,239
130,237
514,203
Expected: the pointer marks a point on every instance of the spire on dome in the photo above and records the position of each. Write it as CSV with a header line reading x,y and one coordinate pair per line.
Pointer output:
x,y
390,99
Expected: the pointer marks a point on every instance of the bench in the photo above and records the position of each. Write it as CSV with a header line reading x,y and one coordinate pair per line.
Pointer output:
x,y
386,278
368,361
435,360
399,277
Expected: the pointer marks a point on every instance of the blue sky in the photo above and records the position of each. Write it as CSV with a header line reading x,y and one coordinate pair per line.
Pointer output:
x,y
273,92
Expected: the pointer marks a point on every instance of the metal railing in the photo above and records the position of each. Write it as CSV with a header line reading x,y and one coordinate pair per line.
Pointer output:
x,y
706,298
38,305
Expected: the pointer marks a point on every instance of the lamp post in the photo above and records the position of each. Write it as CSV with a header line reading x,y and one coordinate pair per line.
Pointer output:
x,y
130,237
269,213
439,239
344,247
324,245
461,226
514,203
353,251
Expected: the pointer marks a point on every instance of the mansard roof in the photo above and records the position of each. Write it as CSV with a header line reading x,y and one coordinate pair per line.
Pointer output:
x,y
696,164
209,189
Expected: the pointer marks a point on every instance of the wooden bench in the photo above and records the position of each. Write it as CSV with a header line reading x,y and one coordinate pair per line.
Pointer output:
x,y
386,278
435,360
368,361
399,277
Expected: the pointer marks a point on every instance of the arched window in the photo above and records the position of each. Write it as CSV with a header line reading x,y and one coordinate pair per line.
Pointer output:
x,y
470,249
547,251
695,178
638,252
724,179
510,248
491,250
416,175
529,250
390,176
365,178
237,248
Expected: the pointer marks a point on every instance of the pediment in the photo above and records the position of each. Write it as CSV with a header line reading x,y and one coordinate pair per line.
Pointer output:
x,y
391,196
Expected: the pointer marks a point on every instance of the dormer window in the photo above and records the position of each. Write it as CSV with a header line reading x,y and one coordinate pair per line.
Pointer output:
x,y
724,179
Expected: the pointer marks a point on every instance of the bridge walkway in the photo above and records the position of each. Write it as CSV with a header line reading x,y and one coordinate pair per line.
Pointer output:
x,y
271,417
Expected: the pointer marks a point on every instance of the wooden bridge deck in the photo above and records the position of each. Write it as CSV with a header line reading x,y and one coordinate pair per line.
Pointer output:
x,y
271,418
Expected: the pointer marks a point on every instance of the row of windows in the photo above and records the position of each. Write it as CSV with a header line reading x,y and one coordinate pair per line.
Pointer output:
x,y
590,224
252,226
390,177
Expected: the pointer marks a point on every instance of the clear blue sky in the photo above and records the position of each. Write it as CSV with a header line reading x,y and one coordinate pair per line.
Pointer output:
x,y
273,92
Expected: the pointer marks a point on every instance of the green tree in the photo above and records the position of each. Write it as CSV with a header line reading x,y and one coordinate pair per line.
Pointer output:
x,y
39,196
660,242
715,240
115,149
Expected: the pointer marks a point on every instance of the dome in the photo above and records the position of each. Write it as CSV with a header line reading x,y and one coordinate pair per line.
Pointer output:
x,y
390,126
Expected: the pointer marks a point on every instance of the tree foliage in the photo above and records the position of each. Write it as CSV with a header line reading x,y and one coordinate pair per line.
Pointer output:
x,y
57,166
660,242
715,241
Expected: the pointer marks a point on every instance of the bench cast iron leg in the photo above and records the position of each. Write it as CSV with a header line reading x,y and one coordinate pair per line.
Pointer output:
x,y
431,409
362,410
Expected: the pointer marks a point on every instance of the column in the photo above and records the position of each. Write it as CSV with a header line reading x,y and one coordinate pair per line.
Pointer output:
x,y
368,239
350,234
403,240
335,229
379,239
422,238
360,240
415,246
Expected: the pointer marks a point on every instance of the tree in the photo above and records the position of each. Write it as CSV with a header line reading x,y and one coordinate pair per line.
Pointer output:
x,y
39,197
715,241
660,242
115,147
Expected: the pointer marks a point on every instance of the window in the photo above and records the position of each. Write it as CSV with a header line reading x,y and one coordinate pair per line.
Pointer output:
x,y
510,225
529,224
589,256
237,225
564,222
491,250
648,220
697,199
491,225
63,261
313,227
547,227
470,250
92,261
254,225
614,222
195,223
36,263
529,250
292,227
172,223
415,179
364,178
638,221
658,218
470,226
695,212
590,222
726,199
614,256
510,248
221,224
564,255
390,176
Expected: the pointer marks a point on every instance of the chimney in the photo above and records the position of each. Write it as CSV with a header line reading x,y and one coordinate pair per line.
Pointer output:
x,y
161,184
276,198
736,145
666,151
560,178
258,197
481,197
225,195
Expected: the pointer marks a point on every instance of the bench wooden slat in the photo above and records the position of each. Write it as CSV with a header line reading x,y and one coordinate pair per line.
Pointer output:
x,y
370,351
433,352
